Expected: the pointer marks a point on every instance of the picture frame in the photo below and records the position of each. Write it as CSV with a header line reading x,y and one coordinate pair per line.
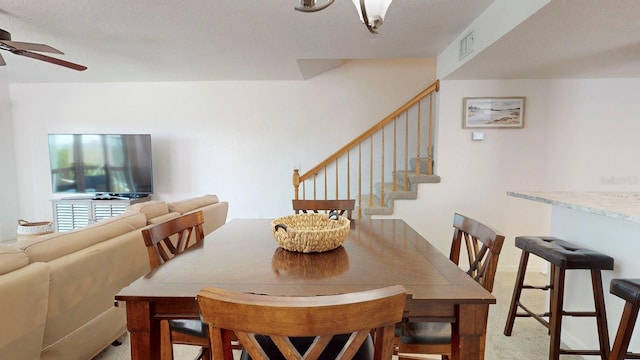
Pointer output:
x,y
493,112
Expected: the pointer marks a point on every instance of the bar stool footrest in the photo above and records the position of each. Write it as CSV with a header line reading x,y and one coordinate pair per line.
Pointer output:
x,y
537,287
580,352
580,313
530,314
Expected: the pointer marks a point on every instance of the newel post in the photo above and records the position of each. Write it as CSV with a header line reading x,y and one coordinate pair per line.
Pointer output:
x,y
296,183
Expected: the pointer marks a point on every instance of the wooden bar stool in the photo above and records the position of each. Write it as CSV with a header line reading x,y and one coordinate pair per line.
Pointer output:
x,y
562,256
629,290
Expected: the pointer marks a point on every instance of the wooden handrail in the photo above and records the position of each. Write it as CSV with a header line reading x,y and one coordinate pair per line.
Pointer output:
x,y
432,88
318,175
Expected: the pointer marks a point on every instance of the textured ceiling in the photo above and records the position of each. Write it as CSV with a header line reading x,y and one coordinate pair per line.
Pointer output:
x,y
201,40
169,40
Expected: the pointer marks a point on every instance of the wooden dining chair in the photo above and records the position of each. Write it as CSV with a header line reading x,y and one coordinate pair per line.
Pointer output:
x,y
345,206
483,245
319,327
170,238
164,241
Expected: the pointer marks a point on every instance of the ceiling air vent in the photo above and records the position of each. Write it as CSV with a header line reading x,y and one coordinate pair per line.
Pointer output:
x,y
466,45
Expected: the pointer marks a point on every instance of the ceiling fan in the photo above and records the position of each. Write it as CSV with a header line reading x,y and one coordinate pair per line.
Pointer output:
x,y
26,49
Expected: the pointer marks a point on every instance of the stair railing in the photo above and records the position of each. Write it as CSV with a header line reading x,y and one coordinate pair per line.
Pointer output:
x,y
365,157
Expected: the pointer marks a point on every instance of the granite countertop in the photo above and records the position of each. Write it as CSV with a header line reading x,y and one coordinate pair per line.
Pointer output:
x,y
620,205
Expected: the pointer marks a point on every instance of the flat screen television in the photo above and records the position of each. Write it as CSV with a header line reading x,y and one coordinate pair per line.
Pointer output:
x,y
105,165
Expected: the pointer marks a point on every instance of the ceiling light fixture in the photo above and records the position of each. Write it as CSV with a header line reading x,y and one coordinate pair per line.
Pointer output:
x,y
311,6
371,12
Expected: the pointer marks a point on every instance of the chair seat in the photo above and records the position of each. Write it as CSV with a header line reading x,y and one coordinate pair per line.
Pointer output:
x,y
563,253
627,289
331,352
190,327
425,333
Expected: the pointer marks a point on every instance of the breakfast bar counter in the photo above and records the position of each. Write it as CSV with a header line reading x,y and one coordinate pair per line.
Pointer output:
x,y
608,222
618,205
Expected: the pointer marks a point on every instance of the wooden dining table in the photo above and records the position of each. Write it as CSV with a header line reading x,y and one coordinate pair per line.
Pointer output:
x,y
242,255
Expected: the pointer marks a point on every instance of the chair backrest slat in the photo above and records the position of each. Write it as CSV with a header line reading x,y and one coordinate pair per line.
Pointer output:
x,y
284,317
483,245
172,237
344,207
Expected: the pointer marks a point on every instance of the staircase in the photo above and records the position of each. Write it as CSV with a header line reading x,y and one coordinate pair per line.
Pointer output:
x,y
372,204
383,164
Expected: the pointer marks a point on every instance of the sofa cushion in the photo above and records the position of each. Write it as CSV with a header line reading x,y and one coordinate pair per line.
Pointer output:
x,y
163,218
12,259
187,205
151,209
23,310
53,246
98,273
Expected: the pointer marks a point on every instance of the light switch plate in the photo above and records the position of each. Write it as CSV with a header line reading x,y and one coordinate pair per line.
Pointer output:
x,y
477,136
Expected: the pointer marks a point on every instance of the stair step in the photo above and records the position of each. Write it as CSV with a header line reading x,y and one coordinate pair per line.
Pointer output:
x,y
390,195
376,209
365,201
415,178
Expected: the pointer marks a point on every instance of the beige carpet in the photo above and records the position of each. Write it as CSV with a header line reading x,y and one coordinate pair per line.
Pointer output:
x,y
529,340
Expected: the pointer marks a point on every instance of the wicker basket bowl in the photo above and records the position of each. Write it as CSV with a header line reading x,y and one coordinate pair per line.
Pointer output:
x,y
308,233
27,230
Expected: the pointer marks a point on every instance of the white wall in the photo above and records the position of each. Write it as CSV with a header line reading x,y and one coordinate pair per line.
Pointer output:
x,y
578,135
241,139
237,139
8,178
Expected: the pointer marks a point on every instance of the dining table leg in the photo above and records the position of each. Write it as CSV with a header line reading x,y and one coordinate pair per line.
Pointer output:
x,y
469,332
144,331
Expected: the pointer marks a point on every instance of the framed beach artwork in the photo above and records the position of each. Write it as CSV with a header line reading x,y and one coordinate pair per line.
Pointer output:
x,y
493,112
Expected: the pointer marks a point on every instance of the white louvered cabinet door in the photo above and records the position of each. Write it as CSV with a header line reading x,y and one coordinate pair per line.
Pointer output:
x,y
70,215
103,211
75,213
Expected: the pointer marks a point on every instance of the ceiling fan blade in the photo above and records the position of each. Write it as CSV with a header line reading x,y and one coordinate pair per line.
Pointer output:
x,y
50,59
2,63
32,47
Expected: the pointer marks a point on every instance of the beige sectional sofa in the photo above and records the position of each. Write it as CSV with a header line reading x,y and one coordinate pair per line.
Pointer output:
x,y
57,290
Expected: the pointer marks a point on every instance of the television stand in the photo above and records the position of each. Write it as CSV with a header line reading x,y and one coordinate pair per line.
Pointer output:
x,y
75,212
